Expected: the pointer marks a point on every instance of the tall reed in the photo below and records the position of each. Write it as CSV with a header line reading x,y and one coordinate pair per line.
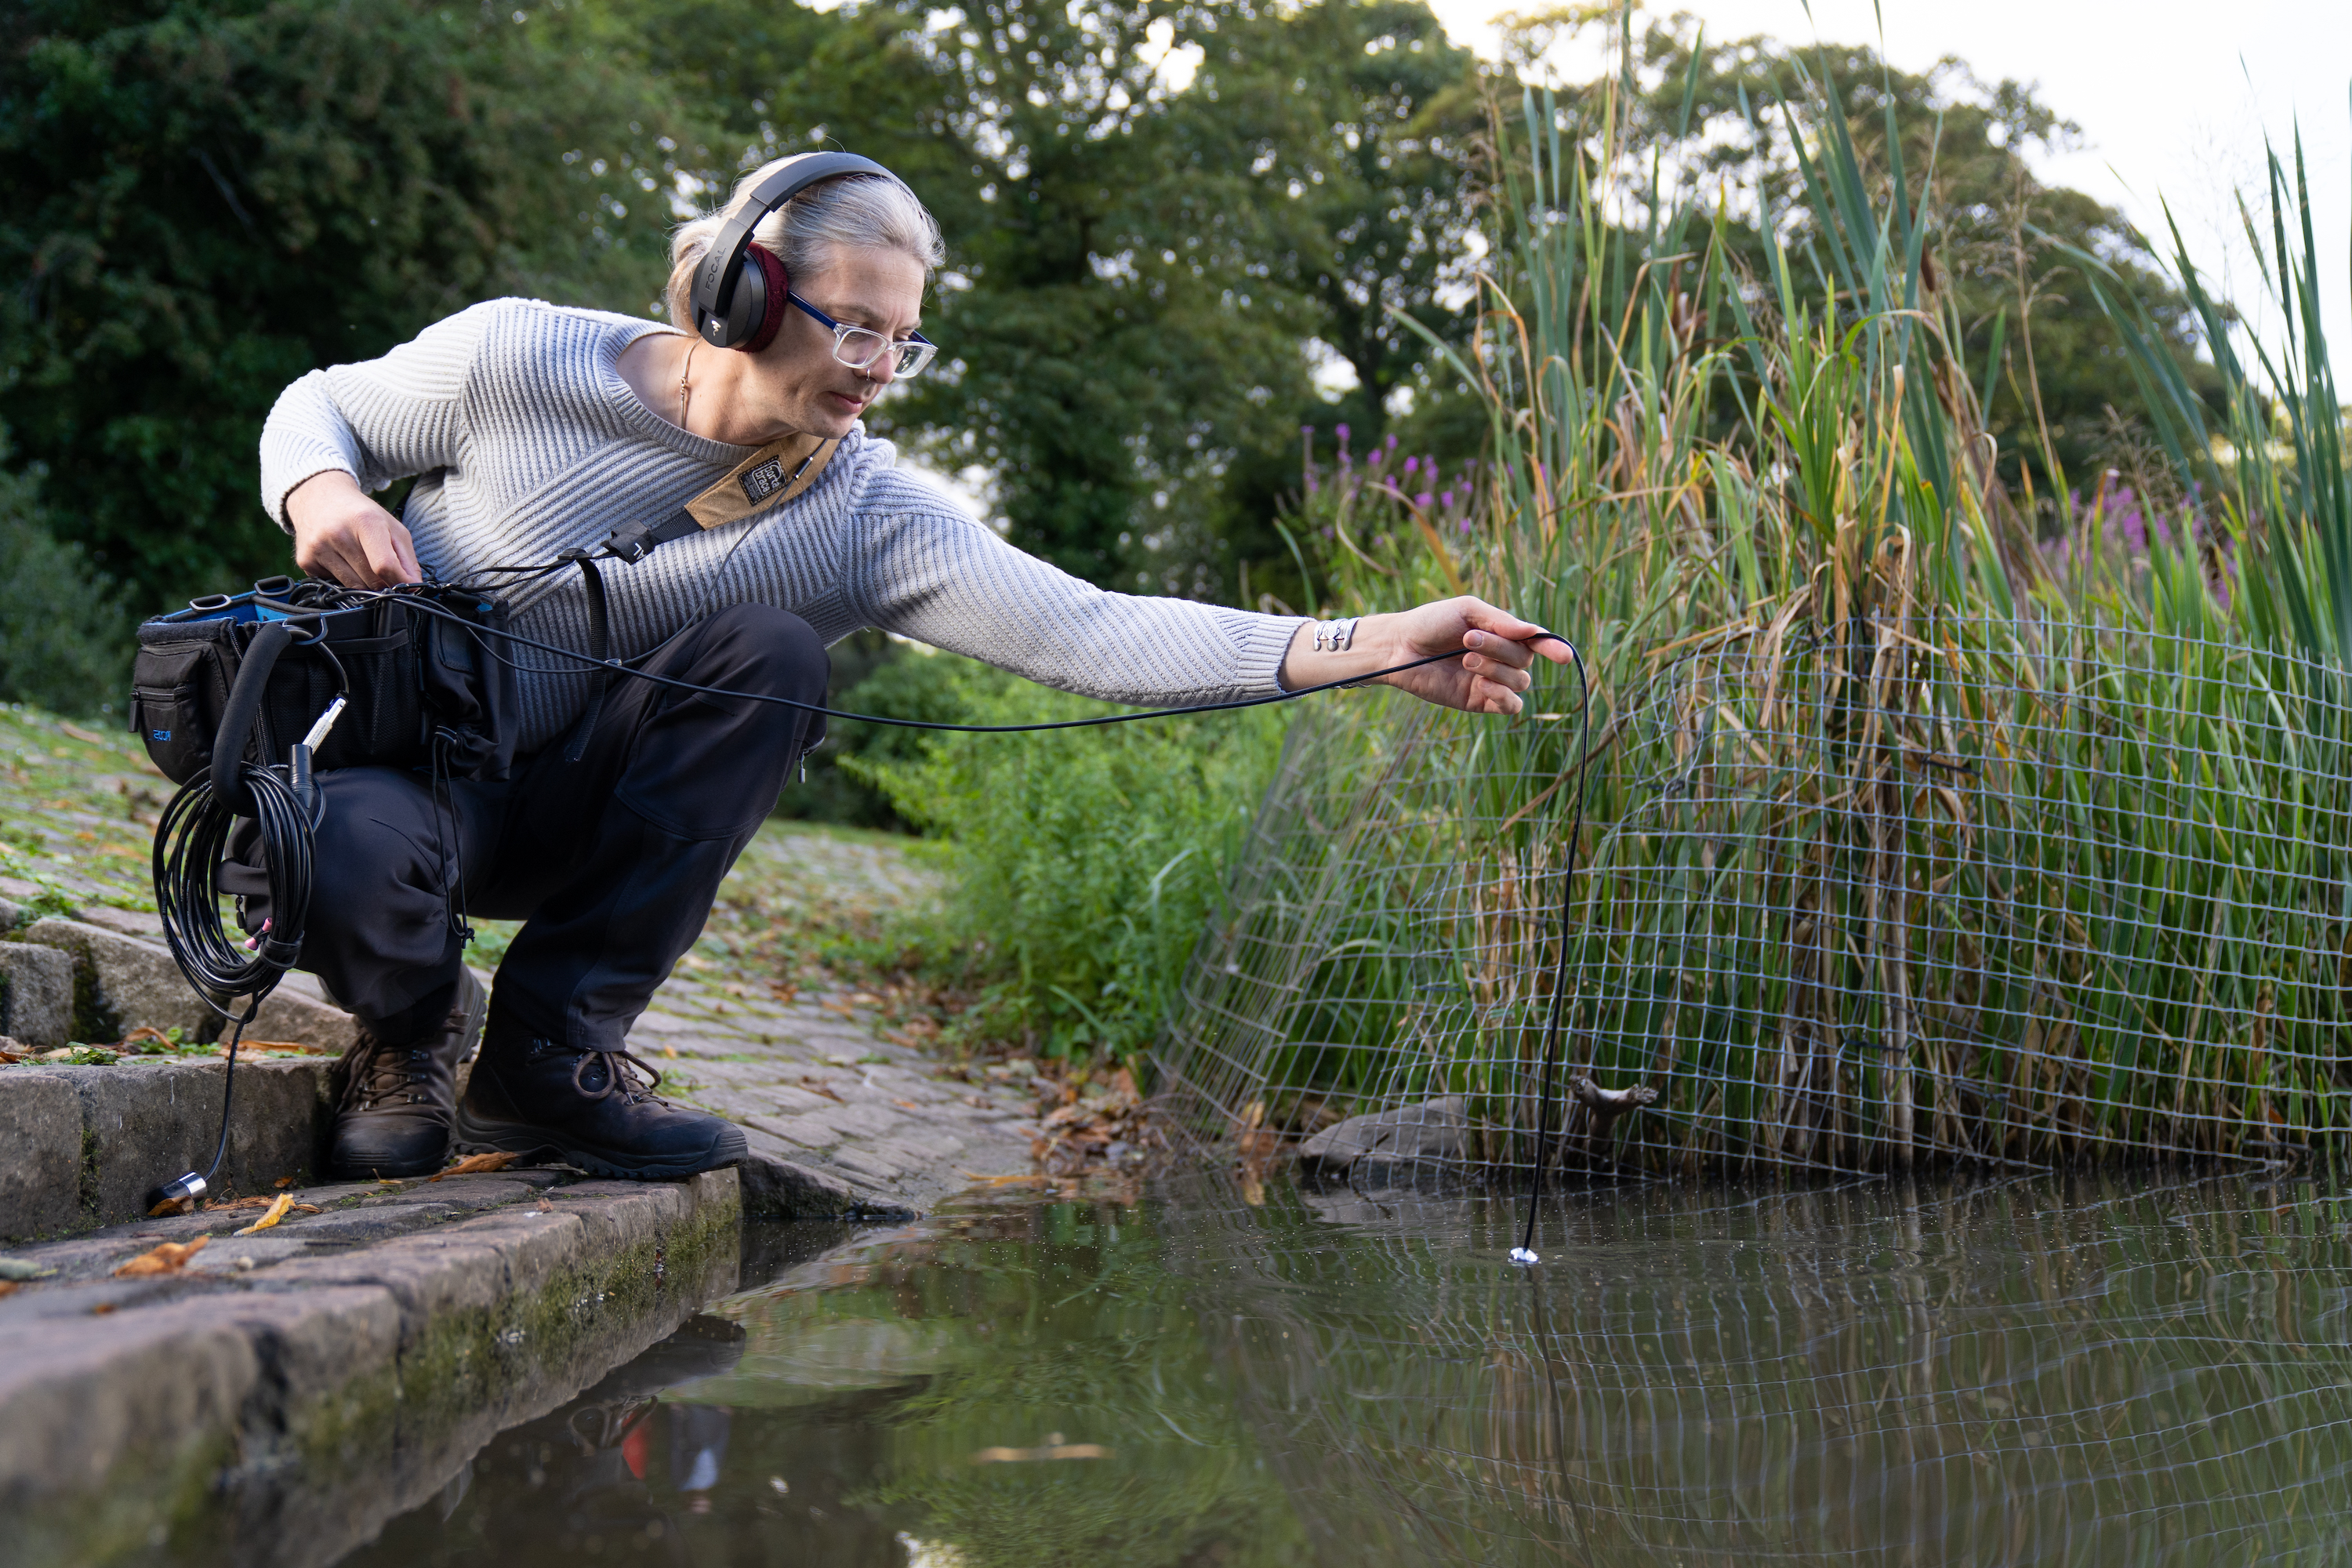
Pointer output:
x,y
1903,841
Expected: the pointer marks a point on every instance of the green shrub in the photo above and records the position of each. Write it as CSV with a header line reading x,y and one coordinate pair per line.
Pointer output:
x,y
1085,862
65,641
871,674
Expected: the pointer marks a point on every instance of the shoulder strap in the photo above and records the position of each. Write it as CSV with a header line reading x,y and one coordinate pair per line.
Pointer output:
x,y
778,472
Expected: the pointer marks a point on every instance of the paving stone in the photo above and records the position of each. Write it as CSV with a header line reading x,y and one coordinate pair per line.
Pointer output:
x,y
146,1122
800,1132
862,1162
37,1009
776,1185
40,1131
125,982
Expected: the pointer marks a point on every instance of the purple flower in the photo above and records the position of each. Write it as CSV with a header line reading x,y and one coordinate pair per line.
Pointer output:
x,y
1410,464
1307,430
1465,525
1424,498
1343,437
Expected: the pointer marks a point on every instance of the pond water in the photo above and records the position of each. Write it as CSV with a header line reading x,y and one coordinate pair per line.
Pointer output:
x,y
2081,1370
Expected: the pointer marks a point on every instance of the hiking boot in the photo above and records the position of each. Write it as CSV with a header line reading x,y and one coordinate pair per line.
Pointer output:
x,y
596,1111
398,1100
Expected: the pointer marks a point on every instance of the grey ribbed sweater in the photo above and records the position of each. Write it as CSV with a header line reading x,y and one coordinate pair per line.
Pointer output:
x,y
528,441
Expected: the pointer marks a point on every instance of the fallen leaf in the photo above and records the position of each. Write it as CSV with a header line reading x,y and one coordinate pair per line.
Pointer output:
x,y
166,1258
308,1208
12,1057
818,1086
171,1206
473,1164
906,1105
101,1310
79,734
9,1286
282,1182
277,1212
546,1207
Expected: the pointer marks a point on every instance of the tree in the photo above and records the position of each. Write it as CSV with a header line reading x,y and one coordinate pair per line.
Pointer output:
x,y
1135,267
200,200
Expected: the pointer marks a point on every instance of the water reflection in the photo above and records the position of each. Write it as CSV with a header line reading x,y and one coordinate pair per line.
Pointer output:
x,y
2126,1371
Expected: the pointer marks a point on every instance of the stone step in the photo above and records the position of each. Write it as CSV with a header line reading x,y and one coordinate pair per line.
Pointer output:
x,y
86,1144
122,983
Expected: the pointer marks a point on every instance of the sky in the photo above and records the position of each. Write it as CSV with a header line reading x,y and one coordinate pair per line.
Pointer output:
x,y
2173,99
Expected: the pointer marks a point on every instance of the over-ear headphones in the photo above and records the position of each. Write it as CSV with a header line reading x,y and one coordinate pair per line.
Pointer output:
x,y
739,286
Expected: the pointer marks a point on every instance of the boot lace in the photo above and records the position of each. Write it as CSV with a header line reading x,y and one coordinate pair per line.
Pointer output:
x,y
632,1080
380,1072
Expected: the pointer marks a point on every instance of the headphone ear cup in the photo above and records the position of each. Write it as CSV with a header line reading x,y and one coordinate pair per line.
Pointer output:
x,y
760,305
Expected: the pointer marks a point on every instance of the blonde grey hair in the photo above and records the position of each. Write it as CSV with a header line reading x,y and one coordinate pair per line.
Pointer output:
x,y
853,212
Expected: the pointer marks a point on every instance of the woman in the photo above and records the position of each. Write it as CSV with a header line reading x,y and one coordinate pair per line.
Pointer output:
x,y
535,429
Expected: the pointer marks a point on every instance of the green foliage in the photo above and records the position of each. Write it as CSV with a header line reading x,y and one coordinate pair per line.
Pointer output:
x,y
1736,116
1085,862
872,674
1134,270
200,200
65,642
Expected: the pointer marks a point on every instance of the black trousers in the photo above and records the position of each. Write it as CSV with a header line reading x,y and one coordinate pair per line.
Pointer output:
x,y
612,862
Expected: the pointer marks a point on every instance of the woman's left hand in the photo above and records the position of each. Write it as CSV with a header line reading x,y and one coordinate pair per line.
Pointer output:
x,y
1487,678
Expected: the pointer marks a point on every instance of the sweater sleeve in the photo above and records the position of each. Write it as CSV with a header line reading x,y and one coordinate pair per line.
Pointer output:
x,y
926,572
378,421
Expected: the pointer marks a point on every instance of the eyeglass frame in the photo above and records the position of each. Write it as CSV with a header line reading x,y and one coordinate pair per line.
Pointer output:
x,y
841,331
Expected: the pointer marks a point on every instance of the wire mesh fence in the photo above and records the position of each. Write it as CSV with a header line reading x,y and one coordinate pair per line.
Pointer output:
x,y
2085,1368
1943,890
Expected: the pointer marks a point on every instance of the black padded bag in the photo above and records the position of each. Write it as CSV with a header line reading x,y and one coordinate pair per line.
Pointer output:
x,y
417,682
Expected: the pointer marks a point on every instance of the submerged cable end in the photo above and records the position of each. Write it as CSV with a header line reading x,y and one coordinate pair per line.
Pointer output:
x,y
1522,1257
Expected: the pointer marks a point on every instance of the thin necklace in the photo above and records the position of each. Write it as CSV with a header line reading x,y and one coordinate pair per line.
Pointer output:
x,y
684,391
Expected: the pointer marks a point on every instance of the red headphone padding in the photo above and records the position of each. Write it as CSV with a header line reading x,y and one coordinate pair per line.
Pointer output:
x,y
771,269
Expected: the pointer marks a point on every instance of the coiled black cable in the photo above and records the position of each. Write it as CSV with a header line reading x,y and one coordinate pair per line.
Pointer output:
x,y
191,842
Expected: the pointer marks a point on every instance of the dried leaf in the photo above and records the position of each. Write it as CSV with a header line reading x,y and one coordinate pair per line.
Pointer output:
x,y
166,1258
282,1182
544,1207
308,1208
170,1206
473,1164
277,1212
101,1310
9,1286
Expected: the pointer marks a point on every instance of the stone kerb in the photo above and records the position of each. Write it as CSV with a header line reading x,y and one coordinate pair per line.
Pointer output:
x,y
123,982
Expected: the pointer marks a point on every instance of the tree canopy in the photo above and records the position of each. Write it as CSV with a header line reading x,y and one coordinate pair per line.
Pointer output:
x,y
1179,231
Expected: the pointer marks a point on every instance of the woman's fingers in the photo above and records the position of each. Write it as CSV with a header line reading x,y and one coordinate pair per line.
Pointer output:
x,y
1525,639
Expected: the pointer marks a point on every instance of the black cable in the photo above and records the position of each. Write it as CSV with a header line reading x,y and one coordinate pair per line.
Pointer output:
x,y
1526,1251
191,841
581,663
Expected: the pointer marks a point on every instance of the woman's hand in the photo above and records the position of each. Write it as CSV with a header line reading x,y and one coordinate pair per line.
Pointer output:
x,y
1487,678
340,533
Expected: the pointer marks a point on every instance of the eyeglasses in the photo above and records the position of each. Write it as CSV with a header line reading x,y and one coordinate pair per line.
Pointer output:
x,y
859,347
